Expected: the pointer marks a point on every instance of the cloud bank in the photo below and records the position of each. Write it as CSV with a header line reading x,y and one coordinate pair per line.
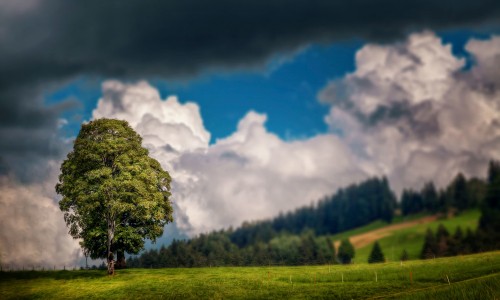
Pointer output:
x,y
46,43
33,232
410,111
251,174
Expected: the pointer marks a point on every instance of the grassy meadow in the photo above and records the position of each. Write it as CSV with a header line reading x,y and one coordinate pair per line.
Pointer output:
x,y
410,238
463,277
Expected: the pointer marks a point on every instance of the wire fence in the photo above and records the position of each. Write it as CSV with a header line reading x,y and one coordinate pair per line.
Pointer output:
x,y
43,268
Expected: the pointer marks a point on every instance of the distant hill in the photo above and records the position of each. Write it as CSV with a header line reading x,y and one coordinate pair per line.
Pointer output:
x,y
403,234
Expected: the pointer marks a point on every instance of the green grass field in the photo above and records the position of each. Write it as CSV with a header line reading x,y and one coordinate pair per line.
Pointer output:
x,y
412,238
470,277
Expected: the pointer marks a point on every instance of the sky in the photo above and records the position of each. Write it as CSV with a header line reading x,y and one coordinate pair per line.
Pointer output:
x,y
253,107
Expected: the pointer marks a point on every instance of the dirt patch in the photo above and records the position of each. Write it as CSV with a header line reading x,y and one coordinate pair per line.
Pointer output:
x,y
363,239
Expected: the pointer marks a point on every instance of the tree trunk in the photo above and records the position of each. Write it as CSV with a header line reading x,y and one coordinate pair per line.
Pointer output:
x,y
111,236
120,260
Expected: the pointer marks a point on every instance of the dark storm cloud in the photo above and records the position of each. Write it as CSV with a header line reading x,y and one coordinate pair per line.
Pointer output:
x,y
28,132
55,38
50,41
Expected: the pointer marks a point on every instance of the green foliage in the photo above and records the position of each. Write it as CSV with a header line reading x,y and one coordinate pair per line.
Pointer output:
x,y
345,252
114,194
461,194
430,248
489,224
404,256
411,202
354,206
442,240
376,256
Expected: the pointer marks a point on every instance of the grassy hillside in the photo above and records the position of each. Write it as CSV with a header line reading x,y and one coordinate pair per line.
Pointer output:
x,y
470,277
410,238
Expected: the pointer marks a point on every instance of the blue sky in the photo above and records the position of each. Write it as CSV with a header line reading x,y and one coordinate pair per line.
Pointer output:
x,y
285,89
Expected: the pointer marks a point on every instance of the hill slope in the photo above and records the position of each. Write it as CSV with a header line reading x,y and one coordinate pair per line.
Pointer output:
x,y
403,234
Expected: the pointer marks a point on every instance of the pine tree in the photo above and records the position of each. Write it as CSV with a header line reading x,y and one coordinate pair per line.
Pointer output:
x,y
430,197
455,243
345,252
331,249
376,256
430,245
469,242
442,240
489,224
404,255
460,192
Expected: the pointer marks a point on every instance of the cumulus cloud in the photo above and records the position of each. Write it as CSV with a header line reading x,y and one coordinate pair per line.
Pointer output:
x,y
411,111
251,174
414,112
33,232
47,43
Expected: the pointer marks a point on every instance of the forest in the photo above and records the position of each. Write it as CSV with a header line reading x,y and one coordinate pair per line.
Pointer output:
x,y
301,237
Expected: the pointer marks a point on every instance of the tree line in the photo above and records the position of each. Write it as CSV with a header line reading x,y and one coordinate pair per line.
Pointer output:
x,y
301,237
459,195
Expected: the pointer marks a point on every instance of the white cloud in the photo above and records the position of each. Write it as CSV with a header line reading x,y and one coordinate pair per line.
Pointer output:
x,y
409,111
252,174
412,112
33,229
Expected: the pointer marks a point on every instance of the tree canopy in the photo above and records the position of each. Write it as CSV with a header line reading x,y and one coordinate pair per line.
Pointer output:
x,y
113,194
346,252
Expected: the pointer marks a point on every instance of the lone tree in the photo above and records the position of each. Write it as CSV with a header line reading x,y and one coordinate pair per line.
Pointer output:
x,y
345,252
114,194
376,256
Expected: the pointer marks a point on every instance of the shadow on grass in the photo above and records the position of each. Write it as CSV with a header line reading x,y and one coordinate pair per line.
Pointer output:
x,y
57,275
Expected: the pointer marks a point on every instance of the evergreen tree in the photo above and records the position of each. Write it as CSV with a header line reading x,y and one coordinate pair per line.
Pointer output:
x,y
430,245
376,255
460,193
489,224
442,239
411,202
345,252
331,250
455,243
469,242
430,197
404,255
477,191
443,202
